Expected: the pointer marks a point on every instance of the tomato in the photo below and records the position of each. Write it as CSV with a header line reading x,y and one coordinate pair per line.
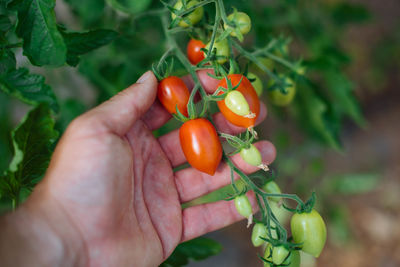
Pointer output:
x,y
251,155
222,50
293,260
193,17
241,20
259,230
257,83
249,94
272,188
310,230
281,99
236,102
201,145
243,206
194,53
279,255
172,92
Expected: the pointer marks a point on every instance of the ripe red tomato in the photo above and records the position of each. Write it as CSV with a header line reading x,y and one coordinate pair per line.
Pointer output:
x,y
172,92
194,54
201,145
249,94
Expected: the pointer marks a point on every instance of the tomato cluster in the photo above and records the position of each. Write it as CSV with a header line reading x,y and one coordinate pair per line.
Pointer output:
x,y
237,97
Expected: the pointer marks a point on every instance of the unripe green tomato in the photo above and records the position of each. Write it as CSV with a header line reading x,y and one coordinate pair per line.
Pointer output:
x,y
281,99
222,51
257,83
279,254
251,155
236,102
309,229
293,260
259,230
193,17
242,21
272,188
243,206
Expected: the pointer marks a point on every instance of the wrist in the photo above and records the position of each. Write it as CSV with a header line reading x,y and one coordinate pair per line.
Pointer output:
x,y
39,233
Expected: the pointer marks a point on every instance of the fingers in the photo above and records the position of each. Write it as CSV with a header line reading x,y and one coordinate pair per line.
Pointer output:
x,y
202,219
171,145
118,114
192,183
157,115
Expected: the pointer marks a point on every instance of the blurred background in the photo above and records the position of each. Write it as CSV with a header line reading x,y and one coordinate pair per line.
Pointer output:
x,y
340,137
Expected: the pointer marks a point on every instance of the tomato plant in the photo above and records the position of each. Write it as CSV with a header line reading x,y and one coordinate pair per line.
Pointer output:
x,y
250,95
193,17
242,24
173,94
282,98
272,187
256,82
259,230
221,50
251,155
243,206
308,228
193,51
201,145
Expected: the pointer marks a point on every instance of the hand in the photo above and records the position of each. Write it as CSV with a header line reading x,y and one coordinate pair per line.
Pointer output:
x,y
110,194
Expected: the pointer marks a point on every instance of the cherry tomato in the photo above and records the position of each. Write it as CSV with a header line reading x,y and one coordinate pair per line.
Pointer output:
x,y
310,230
251,155
172,92
194,54
272,188
279,255
281,99
236,102
293,260
193,17
259,230
241,20
243,206
249,94
222,50
201,145
257,83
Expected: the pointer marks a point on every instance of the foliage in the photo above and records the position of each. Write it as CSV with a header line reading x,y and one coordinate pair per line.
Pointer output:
x,y
324,97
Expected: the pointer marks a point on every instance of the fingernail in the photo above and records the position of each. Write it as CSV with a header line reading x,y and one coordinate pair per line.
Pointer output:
x,y
144,77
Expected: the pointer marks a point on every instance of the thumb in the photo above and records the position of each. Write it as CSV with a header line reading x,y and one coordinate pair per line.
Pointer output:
x,y
119,113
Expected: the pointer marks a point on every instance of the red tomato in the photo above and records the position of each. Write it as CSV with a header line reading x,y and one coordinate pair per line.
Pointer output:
x,y
194,54
249,94
172,92
201,145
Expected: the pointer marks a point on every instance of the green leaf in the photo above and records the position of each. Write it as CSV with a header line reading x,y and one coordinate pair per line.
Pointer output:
x,y
129,6
345,13
353,183
341,92
43,44
196,249
80,43
314,115
89,11
7,61
29,88
32,141
5,23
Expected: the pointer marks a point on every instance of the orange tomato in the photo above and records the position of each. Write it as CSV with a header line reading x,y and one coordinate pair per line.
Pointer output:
x,y
249,94
201,145
194,54
173,92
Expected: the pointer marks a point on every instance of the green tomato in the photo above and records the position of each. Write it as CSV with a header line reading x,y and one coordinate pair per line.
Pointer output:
x,y
193,17
259,230
293,260
243,206
236,102
282,99
310,230
272,188
242,22
279,255
257,83
222,50
251,155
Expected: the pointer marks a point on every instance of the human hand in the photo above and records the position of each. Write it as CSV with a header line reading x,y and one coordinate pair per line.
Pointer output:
x,y
110,194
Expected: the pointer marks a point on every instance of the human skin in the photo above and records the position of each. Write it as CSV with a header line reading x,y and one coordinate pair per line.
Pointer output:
x,y
110,196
